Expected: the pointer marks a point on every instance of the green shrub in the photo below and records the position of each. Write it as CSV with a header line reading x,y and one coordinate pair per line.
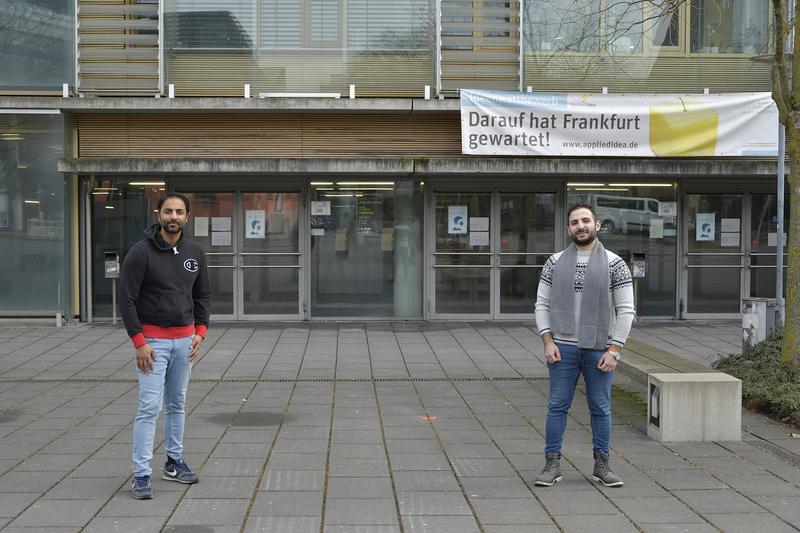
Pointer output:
x,y
767,384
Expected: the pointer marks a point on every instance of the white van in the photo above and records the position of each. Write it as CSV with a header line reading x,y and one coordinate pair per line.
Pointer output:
x,y
624,214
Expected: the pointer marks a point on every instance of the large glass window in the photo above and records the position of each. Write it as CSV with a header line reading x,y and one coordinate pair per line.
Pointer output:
x,y
31,215
366,249
574,25
121,210
584,45
740,27
381,46
36,44
563,25
639,218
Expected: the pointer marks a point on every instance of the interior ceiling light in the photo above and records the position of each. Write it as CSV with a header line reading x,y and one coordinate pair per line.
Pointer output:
x,y
585,184
321,183
106,189
366,188
368,183
11,137
599,189
95,193
640,184
146,183
336,195
32,202
109,207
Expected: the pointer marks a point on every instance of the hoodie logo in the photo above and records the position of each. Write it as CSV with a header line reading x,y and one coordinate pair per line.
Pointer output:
x,y
191,265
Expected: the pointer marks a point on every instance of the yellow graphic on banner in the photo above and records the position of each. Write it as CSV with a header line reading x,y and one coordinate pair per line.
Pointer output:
x,y
683,127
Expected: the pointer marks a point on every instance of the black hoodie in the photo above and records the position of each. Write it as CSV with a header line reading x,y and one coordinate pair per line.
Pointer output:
x,y
164,286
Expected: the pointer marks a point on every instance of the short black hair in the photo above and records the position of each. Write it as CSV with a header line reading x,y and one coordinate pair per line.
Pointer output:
x,y
581,206
173,195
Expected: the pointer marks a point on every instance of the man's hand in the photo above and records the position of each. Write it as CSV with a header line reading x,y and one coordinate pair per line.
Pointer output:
x,y
196,341
551,352
607,363
145,357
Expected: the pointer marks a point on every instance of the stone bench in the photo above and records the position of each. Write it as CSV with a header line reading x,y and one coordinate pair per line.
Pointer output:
x,y
685,401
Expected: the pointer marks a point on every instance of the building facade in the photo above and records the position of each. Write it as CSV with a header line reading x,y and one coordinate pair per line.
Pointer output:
x,y
319,142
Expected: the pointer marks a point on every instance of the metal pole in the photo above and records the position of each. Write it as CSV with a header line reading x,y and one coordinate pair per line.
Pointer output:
x,y
779,301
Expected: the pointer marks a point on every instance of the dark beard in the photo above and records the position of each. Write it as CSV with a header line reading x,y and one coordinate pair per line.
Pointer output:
x,y
165,227
590,240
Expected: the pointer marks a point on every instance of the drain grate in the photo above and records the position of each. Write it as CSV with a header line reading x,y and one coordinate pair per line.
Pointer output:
x,y
786,455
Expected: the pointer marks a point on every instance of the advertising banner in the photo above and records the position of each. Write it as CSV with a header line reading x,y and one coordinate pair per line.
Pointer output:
x,y
618,125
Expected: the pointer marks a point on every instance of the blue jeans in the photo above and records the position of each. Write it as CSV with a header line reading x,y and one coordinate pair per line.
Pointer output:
x,y
166,384
563,379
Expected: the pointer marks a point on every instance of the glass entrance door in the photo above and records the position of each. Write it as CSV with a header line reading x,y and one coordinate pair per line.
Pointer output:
x,y
269,256
762,260
462,255
714,261
527,239
251,240
366,238
211,225
489,248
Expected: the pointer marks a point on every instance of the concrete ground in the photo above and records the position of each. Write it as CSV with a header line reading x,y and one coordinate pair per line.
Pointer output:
x,y
366,427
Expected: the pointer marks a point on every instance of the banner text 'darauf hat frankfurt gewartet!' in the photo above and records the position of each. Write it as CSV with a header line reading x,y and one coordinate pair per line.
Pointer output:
x,y
618,125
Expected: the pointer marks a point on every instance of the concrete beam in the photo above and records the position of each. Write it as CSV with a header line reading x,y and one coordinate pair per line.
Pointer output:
x,y
210,105
512,167
236,166
601,167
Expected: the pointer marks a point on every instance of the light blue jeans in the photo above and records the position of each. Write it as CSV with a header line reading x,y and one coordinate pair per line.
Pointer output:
x,y
165,384
563,379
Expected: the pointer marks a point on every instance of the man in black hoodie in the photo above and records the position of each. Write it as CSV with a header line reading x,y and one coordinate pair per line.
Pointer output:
x,y
164,303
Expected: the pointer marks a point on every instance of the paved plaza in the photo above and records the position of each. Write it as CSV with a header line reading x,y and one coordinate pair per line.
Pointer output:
x,y
366,427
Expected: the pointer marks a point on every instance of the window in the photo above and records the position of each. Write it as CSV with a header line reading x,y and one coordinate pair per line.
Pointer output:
x,y
720,27
36,44
562,25
212,23
388,24
586,26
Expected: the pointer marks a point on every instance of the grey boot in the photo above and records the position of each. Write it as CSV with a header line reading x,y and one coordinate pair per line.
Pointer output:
x,y
551,473
603,473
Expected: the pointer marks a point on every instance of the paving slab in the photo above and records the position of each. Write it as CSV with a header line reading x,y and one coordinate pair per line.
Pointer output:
x,y
265,447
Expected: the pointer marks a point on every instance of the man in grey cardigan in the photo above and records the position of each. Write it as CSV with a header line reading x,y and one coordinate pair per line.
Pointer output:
x,y
584,312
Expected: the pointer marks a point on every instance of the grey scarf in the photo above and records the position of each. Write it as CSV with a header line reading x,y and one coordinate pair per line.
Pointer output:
x,y
595,309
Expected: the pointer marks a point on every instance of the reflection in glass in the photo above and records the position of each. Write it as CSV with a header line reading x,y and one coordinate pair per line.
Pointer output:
x,y
211,225
463,290
299,45
120,214
715,288
460,286
763,239
562,25
271,253
36,44
31,214
366,249
741,27
667,29
639,219
526,228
